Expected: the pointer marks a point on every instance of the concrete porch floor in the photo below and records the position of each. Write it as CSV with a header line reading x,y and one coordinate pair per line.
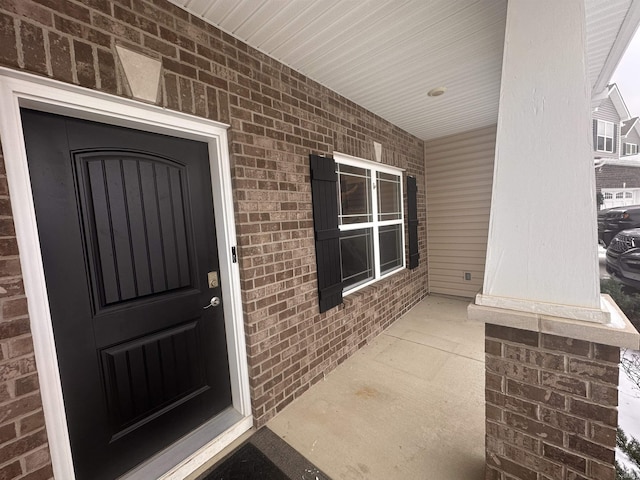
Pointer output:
x,y
408,405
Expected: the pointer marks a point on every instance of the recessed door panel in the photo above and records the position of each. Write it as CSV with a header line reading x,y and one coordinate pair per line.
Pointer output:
x,y
147,377
135,213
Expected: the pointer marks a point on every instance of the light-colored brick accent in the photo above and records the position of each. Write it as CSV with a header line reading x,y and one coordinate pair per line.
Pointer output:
x,y
551,406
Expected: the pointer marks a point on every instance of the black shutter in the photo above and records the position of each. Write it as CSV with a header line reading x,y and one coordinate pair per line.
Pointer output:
x,y
412,216
615,137
324,196
595,135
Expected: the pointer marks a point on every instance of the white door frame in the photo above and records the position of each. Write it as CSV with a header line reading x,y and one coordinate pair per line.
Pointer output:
x,y
18,89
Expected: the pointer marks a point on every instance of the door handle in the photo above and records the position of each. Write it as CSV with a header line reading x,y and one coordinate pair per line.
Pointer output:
x,y
215,301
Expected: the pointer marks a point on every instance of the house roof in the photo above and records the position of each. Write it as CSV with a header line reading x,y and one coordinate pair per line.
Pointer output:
x,y
613,92
386,56
627,125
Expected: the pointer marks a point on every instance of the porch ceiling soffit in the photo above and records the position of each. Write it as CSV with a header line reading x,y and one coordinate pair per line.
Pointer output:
x,y
386,56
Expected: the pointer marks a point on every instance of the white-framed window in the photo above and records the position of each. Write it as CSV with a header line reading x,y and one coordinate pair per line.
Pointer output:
x,y
630,148
604,136
608,195
619,195
371,221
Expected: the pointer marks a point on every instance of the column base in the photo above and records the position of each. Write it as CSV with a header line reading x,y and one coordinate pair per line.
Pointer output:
x,y
618,331
551,393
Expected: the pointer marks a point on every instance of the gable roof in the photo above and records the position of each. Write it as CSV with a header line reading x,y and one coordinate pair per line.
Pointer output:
x,y
618,102
627,125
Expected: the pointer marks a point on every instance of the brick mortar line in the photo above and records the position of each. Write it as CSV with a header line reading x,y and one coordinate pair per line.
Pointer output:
x,y
18,419
547,350
588,422
541,455
565,394
534,366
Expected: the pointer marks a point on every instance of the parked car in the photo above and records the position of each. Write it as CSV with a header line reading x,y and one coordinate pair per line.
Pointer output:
x,y
615,220
623,257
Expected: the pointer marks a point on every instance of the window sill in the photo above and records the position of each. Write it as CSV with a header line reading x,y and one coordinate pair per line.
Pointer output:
x,y
372,283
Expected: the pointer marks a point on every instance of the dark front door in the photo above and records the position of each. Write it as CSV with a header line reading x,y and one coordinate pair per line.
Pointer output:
x,y
125,221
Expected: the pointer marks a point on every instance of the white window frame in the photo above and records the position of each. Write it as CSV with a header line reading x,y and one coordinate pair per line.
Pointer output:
x,y
601,131
375,224
630,148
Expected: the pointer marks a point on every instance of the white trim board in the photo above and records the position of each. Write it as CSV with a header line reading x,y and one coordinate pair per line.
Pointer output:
x,y
19,89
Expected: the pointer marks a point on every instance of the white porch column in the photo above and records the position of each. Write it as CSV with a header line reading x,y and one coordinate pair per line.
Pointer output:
x,y
551,343
542,247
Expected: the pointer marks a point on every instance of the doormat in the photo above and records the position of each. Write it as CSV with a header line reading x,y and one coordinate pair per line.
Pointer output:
x,y
264,456
244,463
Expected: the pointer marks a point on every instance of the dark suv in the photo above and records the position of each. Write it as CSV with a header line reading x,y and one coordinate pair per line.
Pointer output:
x,y
623,257
615,220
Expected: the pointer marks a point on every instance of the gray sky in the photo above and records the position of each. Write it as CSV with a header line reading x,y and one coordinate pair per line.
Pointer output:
x,y
627,76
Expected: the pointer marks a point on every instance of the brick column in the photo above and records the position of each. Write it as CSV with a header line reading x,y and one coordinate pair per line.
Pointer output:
x,y
551,406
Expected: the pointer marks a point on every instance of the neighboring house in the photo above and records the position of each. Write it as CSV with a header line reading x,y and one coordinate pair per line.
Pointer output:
x,y
616,137
193,232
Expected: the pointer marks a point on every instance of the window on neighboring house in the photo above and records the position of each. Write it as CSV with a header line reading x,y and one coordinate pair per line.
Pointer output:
x,y
628,195
630,148
608,196
370,221
619,195
604,136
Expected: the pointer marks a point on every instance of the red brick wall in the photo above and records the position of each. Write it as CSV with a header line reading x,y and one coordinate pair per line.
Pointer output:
x,y
23,439
551,405
615,176
277,118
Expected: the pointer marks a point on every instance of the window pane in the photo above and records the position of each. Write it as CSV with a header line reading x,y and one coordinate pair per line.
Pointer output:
x,y
608,130
356,247
600,143
609,145
390,248
355,194
619,195
389,206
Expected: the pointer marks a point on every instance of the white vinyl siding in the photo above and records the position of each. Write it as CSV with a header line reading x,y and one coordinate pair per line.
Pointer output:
x,y
459,171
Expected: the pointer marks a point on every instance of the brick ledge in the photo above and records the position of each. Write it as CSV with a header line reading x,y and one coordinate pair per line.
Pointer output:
x,y
619,332
590,314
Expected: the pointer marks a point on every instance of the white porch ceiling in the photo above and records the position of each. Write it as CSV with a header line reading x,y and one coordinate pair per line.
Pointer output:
x,y
387,54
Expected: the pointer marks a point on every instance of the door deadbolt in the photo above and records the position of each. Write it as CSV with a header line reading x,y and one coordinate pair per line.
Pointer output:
x,y
215,301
